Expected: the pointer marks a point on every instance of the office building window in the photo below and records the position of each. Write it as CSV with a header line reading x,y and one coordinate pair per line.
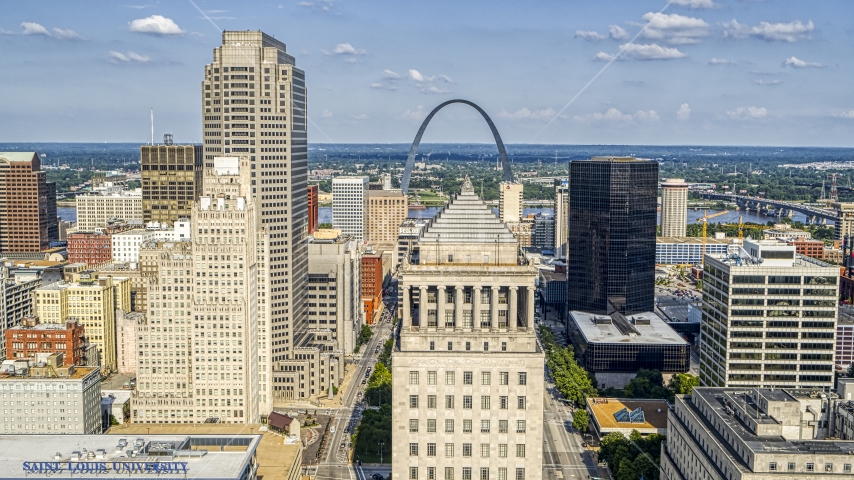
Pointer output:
x,y
413,378
466,449
484,426
502,473
502,450
449,425
450,346
485,346
523,378
520,474
502,426
431,401
466,473
520,403
484,449
449,377
413,425
772,466
467,378
449,473
449,401
484,473
466,426
413,401
449,450
431,449
466,401
502,402
431,473
431,376
413,449
485,402
520,426
503,378
520,450
485,378
431,425
413,473
792,466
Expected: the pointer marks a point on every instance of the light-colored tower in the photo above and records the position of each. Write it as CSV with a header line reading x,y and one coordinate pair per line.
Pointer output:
x,y
336,315
468,374
769,318
254,104
387,209
510,201
561,217
350,205
674,207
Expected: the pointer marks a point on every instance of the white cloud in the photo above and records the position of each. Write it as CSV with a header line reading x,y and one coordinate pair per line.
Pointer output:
x,y
783,32
131,57
326,114
361,116
643,52
747,113
614,116
798,63
418,115
767,82
384,86
590,36
446,79
391,75
720,61
848,114
419,77
32,28
434,89
617,32
526,114
66,34
674,28
683,112
346,49
319,5
156,25
695,4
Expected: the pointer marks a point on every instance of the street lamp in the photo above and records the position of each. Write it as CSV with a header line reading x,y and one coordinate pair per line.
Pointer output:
x,y
382,444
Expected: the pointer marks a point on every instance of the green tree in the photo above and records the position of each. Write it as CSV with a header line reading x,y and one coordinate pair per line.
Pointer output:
x,y
378,391
647,384
580,420
683,383
324,225
385,354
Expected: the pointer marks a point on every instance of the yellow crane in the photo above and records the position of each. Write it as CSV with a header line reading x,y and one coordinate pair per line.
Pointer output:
x,y
705,219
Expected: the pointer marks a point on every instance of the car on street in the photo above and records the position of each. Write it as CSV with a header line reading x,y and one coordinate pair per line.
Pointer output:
x,y
364,381
377,476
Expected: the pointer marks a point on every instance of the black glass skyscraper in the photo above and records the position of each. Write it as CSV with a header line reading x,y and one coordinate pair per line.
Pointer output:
x,y
612,218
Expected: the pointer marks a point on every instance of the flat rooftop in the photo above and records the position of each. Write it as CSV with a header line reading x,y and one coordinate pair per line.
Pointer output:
x,y
226,458
76,374
717,399
654,412
275,457
694,240
607,329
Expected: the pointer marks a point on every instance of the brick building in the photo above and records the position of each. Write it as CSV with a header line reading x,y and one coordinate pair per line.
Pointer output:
x,y
27,219
808,248
313,201
32,337
90,248
372,284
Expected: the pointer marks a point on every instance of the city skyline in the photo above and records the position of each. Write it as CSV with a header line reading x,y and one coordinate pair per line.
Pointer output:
x,y
769,73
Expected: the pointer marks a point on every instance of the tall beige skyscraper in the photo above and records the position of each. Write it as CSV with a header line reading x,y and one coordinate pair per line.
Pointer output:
x,y
674,207
253,105
561,217
510,201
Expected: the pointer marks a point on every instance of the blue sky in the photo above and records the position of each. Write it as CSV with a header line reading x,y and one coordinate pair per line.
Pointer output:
x,y
715,72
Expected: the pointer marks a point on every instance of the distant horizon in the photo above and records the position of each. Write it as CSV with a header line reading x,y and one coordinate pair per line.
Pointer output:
x,y
2,143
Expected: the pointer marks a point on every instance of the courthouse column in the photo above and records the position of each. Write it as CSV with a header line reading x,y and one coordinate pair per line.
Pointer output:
x,y
458,305
530,305
475,304
422,307
440,307
406,314
493,314
513,313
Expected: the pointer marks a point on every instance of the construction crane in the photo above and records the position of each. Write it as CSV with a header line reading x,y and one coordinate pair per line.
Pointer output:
x,y
705,219
739,225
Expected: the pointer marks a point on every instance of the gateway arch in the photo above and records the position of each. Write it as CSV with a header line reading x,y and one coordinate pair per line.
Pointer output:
x,y
410,161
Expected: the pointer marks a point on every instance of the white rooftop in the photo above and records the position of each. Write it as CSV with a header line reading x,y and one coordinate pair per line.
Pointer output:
x,y
25,455
645,327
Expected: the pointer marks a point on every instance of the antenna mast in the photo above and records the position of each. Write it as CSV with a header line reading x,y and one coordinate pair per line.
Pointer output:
x,y
152,126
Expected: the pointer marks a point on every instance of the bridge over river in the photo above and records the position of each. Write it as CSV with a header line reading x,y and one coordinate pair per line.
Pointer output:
x,y
780,208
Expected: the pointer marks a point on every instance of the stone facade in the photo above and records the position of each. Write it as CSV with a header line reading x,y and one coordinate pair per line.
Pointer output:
x,y
467,370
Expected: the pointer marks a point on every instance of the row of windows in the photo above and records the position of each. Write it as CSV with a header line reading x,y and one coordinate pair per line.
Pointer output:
x,y
485,426
466,473
485,402
467,450
468,377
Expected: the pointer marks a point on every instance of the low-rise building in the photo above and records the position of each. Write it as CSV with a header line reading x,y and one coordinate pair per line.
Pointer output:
x,y
755,434
687,250
615,346
785,232
127,329
31,338
95,211
375,268
16,301
553,288
76,390
808,248
623,415
543,231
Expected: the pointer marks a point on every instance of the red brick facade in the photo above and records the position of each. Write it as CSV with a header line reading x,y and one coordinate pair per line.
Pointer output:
x,y
93,249
809,248
31,338
372,285
312,208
